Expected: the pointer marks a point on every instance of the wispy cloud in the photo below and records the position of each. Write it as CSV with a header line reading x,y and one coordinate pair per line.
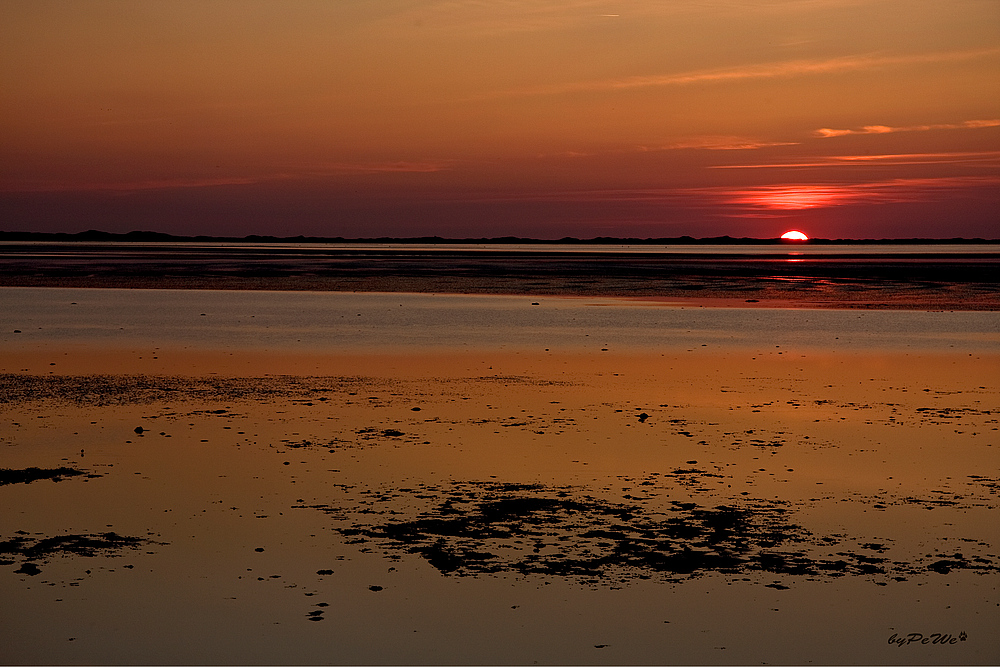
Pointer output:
x,y
769,200
80,185
718,143
300,172
772,70
827,132
420,167
504,16
802,196
490,17
985,158
705,142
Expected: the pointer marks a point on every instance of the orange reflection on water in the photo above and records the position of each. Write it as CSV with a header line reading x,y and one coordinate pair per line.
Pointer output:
x,y
250,486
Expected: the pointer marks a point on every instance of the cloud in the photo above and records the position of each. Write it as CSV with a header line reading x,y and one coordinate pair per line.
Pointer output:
x,y
781,69
827,132
706,142
768,200
485,17
985,158
423,167
129,186
492,17
300,172
801,196
722,143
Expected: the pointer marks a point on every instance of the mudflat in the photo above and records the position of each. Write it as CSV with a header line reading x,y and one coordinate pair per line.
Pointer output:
x,y
296,478
913,276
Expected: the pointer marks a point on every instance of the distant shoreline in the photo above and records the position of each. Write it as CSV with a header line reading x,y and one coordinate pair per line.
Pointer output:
x,y
91,236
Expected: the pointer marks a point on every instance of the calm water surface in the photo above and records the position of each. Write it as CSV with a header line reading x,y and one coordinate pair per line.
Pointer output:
x,y
333,321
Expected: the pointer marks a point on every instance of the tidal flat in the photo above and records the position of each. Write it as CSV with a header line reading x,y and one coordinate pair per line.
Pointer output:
x,y
269,477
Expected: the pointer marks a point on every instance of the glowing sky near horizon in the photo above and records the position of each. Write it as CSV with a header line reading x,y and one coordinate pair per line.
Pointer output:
x,y
467,118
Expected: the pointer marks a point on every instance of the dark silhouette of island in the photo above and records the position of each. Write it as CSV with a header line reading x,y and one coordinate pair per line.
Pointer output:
x,y
98,236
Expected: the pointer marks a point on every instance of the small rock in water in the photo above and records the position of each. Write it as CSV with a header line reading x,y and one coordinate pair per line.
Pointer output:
x,y
139,430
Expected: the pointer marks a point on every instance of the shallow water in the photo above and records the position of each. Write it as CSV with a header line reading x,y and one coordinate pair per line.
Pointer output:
x,y
334,321
918,276
433,486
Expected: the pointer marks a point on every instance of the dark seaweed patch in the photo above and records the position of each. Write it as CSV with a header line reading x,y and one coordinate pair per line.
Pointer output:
x,y
476,529
29,475
31,549
101,389
992,484
330,445
364,437
79,545
371,432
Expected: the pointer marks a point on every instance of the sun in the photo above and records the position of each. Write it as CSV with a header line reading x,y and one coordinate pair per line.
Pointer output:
x,y
794,235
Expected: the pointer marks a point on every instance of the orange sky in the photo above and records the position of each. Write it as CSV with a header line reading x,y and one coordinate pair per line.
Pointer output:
x,y
844,118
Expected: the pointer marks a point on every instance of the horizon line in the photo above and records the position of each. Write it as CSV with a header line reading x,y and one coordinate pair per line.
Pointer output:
x,y
154,236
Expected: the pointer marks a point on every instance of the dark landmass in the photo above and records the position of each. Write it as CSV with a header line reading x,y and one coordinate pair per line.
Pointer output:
x,y
94,235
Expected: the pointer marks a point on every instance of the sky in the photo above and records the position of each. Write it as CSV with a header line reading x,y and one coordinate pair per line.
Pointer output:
x,y
487,118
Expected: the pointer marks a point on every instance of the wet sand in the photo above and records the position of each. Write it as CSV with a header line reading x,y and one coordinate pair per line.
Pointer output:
x,y
759,498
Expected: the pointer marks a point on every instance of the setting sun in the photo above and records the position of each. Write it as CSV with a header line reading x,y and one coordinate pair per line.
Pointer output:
x,y
543,119
794,236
